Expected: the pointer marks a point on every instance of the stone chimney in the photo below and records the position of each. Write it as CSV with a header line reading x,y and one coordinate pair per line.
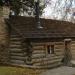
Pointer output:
x,y
37,15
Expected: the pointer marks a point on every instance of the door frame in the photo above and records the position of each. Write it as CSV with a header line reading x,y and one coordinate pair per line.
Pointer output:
x,y
67,51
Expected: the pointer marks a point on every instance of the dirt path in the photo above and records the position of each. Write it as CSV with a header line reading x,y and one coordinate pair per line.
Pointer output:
x,y
64,70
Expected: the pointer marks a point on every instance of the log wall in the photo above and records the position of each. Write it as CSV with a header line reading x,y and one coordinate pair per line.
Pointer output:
x,y
40,57
3,39
38,54
73,50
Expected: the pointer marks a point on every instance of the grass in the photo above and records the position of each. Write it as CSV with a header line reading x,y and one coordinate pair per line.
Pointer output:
x,y
7,70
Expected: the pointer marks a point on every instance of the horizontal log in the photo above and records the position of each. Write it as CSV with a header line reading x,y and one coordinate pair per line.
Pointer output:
x,y
59,54
72,45
16,43
35,47
73,54
51,65
50,55
47,62
72,42
17,57
72,50
38,56
59,47
38,52
39,49
17,54
15,38
15,49
17,61
46,59
45,43
59,43
38,44
4,57
46,55
14,35
59,50
73,57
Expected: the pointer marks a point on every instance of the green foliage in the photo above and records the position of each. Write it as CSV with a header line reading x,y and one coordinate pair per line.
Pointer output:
x,y
16,5
27,6
1,3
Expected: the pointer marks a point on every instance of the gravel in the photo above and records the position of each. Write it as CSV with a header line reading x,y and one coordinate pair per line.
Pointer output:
x,y
63,70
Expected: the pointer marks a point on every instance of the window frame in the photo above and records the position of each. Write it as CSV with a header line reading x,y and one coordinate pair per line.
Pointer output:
x,y
50,49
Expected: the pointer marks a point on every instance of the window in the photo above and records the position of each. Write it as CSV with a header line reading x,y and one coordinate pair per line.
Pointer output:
x,y
50,49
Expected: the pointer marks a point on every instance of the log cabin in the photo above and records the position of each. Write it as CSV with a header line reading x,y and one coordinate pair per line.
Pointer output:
x,y
46,47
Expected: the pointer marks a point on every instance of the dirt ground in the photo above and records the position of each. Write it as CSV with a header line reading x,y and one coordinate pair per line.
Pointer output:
x,y
63,70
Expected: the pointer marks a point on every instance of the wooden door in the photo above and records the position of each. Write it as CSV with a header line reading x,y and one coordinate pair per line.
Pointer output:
x,y
67,56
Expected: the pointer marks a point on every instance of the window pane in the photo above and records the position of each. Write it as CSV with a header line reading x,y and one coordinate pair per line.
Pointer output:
x,y
48,49
52,49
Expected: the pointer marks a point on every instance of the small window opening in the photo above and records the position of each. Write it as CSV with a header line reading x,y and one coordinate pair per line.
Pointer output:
x,y
50,49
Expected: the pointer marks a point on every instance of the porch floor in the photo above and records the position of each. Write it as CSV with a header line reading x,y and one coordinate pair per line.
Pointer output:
x,y
63,70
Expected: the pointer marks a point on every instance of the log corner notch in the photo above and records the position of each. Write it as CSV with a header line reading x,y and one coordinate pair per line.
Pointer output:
x,y
67,52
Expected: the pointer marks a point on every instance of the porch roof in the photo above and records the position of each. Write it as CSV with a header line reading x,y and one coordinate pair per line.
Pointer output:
x,y
27,27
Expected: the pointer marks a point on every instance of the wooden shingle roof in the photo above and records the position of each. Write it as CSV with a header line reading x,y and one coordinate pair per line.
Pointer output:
x,y
26,26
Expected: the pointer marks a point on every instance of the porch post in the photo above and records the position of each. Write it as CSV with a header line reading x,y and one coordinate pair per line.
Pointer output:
x,y
67,56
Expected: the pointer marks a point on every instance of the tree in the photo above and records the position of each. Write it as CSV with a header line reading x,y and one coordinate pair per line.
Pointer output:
x,y
15,6
62,9
27,6
1,2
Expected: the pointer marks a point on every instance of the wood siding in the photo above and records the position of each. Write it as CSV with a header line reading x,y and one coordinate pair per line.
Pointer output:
x,y
40,57
3,39
73,50
37,55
